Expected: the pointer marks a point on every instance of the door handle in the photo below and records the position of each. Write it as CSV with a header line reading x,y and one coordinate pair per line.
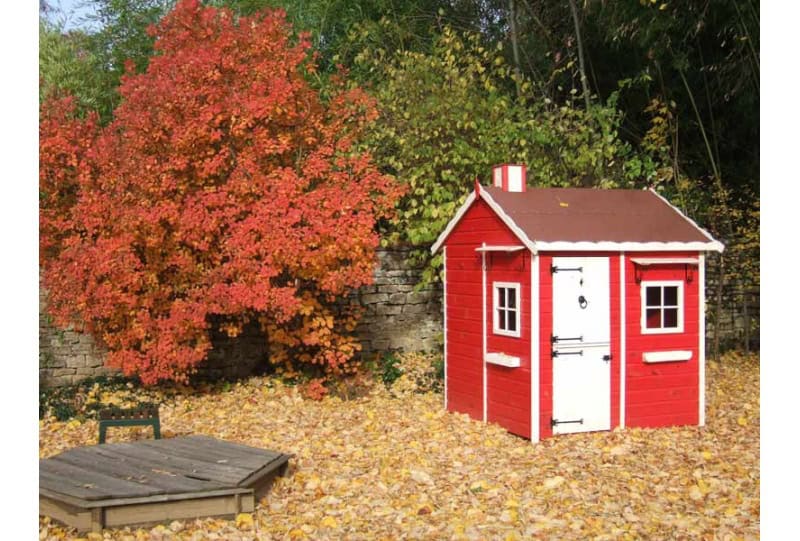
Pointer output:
x,y
582,302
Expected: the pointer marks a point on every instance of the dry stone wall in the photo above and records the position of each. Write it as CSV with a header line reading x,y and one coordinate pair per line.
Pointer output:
x,y
397,317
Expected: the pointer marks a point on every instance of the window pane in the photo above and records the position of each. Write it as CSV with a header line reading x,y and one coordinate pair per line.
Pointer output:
x,y
671,296
501,297
670,318
512,321
653,294
653,320
512,298
501,319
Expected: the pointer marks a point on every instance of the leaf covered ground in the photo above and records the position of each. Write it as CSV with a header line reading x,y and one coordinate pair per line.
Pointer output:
x,y
394,465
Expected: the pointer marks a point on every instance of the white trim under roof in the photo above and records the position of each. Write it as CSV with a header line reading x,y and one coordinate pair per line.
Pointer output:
x,y
457,218
497,210
647,261
720,246
499,248
613,246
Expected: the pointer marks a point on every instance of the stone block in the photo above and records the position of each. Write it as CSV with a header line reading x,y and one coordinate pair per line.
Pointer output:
x,y
414,309
374,298
397,298
418,297
389,309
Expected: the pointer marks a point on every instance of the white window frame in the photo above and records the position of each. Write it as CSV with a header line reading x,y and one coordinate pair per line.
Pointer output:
x,y
518,309
681,306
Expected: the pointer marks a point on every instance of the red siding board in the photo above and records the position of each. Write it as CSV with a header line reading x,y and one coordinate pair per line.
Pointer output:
x,y
508,390
661,394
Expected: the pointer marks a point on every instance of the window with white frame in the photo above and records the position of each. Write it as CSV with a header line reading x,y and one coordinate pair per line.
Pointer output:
x,y
662,307
506,309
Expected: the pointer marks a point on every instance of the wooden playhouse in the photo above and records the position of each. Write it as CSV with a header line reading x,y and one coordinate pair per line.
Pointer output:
x,y
573,310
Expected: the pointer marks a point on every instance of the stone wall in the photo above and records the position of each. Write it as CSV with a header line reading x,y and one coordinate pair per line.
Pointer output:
x,y
397,317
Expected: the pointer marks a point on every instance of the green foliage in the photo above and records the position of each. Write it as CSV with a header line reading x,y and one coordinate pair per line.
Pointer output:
x,y
70,401
447,117
67,65
389,369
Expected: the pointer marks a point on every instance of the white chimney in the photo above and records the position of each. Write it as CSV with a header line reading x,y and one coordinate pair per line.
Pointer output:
x,y
510,177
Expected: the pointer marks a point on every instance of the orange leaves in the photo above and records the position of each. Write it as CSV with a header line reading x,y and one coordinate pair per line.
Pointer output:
x,y
224,185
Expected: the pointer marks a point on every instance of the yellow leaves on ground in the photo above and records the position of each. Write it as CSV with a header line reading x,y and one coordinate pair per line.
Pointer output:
x,y
387,466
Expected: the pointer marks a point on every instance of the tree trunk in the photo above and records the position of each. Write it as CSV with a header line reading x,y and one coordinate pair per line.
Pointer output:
x,y
581,66
512,17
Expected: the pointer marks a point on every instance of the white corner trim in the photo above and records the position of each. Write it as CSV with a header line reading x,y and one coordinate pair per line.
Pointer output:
x,y
701,349
622,339
444,318
613,246
666,356
453,222
483,319
534,347
502,359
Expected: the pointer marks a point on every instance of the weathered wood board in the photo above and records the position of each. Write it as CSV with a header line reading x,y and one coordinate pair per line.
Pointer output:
x,y
150,481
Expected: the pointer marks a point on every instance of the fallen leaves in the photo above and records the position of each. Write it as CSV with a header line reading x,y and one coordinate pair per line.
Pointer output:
x,y
391,467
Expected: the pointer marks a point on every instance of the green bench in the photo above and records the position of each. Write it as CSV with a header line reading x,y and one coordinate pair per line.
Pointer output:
x,y
144,414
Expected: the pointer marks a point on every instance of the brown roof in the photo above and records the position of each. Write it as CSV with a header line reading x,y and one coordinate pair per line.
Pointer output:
x,y
595,215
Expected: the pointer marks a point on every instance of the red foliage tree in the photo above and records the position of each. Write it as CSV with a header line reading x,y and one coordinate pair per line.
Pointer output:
x,y
225,188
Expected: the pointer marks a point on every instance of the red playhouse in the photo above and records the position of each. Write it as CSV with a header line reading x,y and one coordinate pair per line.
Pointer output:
x,y
573,310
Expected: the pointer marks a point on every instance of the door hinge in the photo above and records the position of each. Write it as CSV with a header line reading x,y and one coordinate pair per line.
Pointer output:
x,y
554,338
554,269
555,353
554,422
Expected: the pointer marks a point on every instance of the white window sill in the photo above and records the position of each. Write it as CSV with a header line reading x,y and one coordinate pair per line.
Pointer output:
x,y
501,359
666,356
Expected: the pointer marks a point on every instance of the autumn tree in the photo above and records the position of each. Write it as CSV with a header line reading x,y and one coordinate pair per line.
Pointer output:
x,y
224,190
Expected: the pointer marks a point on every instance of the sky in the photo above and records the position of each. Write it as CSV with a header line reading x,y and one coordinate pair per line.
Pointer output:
x,y
72,12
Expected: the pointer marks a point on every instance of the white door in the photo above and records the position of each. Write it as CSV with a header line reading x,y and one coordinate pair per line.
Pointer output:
x,y
581,345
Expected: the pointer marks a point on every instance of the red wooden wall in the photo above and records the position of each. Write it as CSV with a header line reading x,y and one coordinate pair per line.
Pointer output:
x,y
661,394
508,389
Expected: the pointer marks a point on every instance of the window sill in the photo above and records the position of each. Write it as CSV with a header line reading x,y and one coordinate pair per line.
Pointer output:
x,y
666,356
501,359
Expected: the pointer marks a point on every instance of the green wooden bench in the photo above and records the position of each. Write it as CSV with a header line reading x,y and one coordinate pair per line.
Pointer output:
x,y
145,414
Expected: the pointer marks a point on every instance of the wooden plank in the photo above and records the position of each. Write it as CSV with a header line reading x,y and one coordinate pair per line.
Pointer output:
x,y
208,452
65,513
259,475
83,504
148,513
129,469
103,485
174,462
78,491
204,446
231,446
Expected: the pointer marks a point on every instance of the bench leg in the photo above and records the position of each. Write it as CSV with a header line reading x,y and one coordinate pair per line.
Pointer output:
x,y
103,428
156,429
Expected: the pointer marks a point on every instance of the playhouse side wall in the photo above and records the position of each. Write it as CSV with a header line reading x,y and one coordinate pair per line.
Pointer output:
x,y
662,393
464,320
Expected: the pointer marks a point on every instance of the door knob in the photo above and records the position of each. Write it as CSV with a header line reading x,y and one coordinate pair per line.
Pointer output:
x,y
583,302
